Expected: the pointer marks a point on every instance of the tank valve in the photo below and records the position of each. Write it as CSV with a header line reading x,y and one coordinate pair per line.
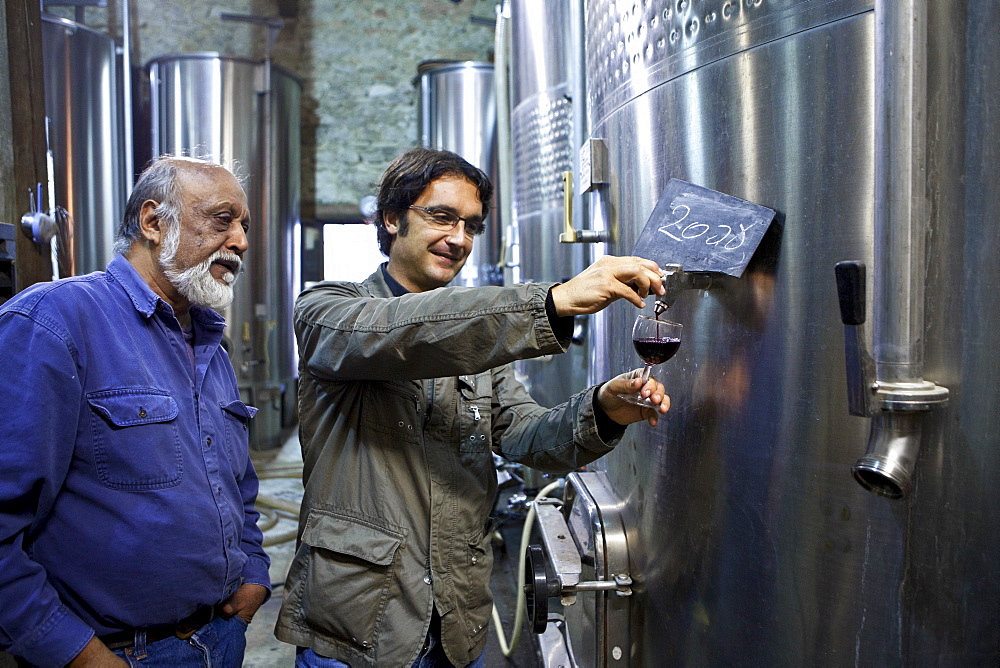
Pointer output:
x,y
555,569
37,224
896,408
676,281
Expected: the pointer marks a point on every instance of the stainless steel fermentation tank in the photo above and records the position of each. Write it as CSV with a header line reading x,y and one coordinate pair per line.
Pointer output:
x,y
86,138
457,113
746,540
246,115
547,124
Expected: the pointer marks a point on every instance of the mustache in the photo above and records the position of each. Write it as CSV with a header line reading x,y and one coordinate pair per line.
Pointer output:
x,y
229,259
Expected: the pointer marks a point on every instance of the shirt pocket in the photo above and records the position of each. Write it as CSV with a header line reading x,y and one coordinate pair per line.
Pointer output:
x,y
348,574
136,438
474,412
237,419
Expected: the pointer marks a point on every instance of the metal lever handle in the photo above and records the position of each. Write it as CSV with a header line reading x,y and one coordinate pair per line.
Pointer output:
x,y
570,235
851,291
851,284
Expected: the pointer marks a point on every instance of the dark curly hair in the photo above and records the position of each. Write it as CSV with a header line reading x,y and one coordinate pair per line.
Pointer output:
x,y
410,174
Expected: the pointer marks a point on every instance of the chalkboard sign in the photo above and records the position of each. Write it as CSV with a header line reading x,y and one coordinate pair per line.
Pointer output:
x,y
702,230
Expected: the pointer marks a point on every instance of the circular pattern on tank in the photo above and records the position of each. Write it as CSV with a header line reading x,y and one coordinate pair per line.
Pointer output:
x,y
541,130
627,39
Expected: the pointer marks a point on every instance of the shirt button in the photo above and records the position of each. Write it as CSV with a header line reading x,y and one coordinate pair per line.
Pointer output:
x,y
142,412
208,441
427,579
474,559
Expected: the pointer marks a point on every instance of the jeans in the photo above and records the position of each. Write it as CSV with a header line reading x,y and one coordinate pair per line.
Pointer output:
x,y
432,656
218,644
306,658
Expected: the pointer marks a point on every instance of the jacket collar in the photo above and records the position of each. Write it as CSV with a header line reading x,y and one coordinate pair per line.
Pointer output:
x,y
376,284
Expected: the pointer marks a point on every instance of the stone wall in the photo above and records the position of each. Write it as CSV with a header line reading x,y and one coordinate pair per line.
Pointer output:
x,y
357,59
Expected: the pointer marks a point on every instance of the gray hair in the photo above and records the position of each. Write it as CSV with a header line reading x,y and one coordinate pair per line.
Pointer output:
x,y
157,182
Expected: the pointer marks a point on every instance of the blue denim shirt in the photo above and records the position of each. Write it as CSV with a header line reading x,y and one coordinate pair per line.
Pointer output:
x,y
127,491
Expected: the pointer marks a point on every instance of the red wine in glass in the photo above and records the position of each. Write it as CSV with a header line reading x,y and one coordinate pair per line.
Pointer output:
x,y
656,350
656,341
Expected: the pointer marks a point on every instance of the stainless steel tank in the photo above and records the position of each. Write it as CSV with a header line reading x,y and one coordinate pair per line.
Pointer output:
x,y
246,115
457,113
748,540
546,128
84,106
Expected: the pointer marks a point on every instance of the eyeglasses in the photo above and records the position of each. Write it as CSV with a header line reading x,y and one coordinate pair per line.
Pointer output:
x,y
444,218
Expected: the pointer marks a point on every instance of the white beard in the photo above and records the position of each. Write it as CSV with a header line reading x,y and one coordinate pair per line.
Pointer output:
x,y
197,283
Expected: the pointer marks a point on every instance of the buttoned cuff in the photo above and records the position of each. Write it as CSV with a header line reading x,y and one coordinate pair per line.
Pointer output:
x,y
256,572
56,642
594,430
562,326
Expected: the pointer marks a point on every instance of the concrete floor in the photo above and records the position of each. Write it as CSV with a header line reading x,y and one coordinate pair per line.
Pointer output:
x,y
264,650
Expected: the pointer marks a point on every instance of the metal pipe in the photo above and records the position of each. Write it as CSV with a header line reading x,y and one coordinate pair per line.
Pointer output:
x,y
126,107
501,50
887,467
900,187
901,215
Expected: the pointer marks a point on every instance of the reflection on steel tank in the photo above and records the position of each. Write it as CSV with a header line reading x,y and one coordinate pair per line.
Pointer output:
x,y
458,113
246,115
86,137
742,537
546,125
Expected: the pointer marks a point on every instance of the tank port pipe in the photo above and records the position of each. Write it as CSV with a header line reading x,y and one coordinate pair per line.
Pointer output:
x,y
897,396
896,408
887,467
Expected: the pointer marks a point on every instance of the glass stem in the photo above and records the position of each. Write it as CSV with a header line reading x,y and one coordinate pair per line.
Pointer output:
x,y
645,375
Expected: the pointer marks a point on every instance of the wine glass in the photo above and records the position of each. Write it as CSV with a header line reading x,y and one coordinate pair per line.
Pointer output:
x,y
656,341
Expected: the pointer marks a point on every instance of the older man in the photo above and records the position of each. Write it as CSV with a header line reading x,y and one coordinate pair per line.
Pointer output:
x,y
127,528
405,389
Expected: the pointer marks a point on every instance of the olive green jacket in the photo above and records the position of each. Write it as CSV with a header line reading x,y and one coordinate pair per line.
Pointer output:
x,y
401,400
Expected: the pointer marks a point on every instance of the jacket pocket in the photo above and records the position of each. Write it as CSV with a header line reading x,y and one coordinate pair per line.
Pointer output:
x,y
391,408
478,566
237,419
347,578
135,437
475,412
